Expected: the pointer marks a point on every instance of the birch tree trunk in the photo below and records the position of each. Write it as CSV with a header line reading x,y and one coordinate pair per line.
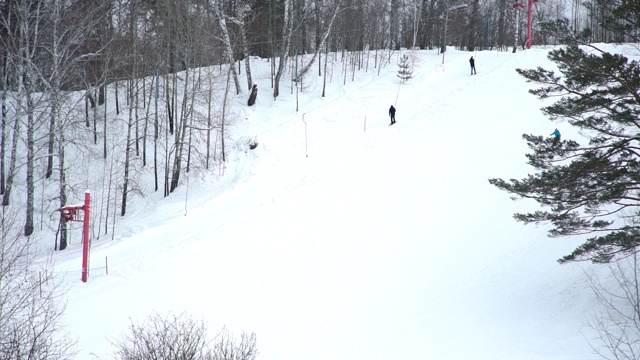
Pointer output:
x,y
324,77
226,40
209,122
132,105
32,304
181,132
188,51
287,28
19,95
29,25
15,136
54,90
223,120
177,158
28,226
4,78
156,135
241,14
323,41
62,179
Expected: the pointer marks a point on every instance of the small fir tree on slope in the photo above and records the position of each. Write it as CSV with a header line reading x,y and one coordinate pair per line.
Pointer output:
x,y
405,71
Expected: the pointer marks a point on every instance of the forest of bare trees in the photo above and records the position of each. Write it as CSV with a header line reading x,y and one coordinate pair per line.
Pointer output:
x,y
65,63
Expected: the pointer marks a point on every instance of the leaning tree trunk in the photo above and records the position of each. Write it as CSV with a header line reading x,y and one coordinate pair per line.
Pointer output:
x,y
320,46
228,49
240,21
181,132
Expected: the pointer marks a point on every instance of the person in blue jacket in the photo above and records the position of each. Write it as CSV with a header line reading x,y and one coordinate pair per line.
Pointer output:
x,y
556,137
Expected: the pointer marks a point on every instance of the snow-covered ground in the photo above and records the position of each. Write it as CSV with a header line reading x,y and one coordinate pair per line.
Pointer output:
x,y
341,237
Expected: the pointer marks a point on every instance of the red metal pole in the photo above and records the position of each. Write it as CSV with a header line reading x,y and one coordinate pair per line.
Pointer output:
x,y
529,23
85,236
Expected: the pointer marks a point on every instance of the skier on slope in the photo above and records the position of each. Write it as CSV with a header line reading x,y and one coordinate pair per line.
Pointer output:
x,y
472,63
556,137
392,114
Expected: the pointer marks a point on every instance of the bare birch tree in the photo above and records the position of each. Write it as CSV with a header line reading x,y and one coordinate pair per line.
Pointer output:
x,y
11,44
181,337
133,101
31,301
23,39
287,29
4,88
30,30
226,346
323,38
243,9
616,319
226,41
62,50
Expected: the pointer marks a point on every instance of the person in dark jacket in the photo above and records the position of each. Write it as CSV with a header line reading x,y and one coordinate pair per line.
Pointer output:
x,y
392,114
473,65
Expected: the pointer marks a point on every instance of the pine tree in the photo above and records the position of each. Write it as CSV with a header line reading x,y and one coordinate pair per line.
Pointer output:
x,y
405,71
592,187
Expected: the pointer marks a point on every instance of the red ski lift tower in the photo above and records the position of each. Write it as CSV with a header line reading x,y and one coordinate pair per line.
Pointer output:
x,y
72,213
519,4
530,22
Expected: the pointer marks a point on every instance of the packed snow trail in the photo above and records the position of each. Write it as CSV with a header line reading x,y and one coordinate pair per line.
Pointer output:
x,y
343,238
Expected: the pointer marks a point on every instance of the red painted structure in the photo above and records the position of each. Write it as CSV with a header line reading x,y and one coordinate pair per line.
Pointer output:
x,y
519,4
72,213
